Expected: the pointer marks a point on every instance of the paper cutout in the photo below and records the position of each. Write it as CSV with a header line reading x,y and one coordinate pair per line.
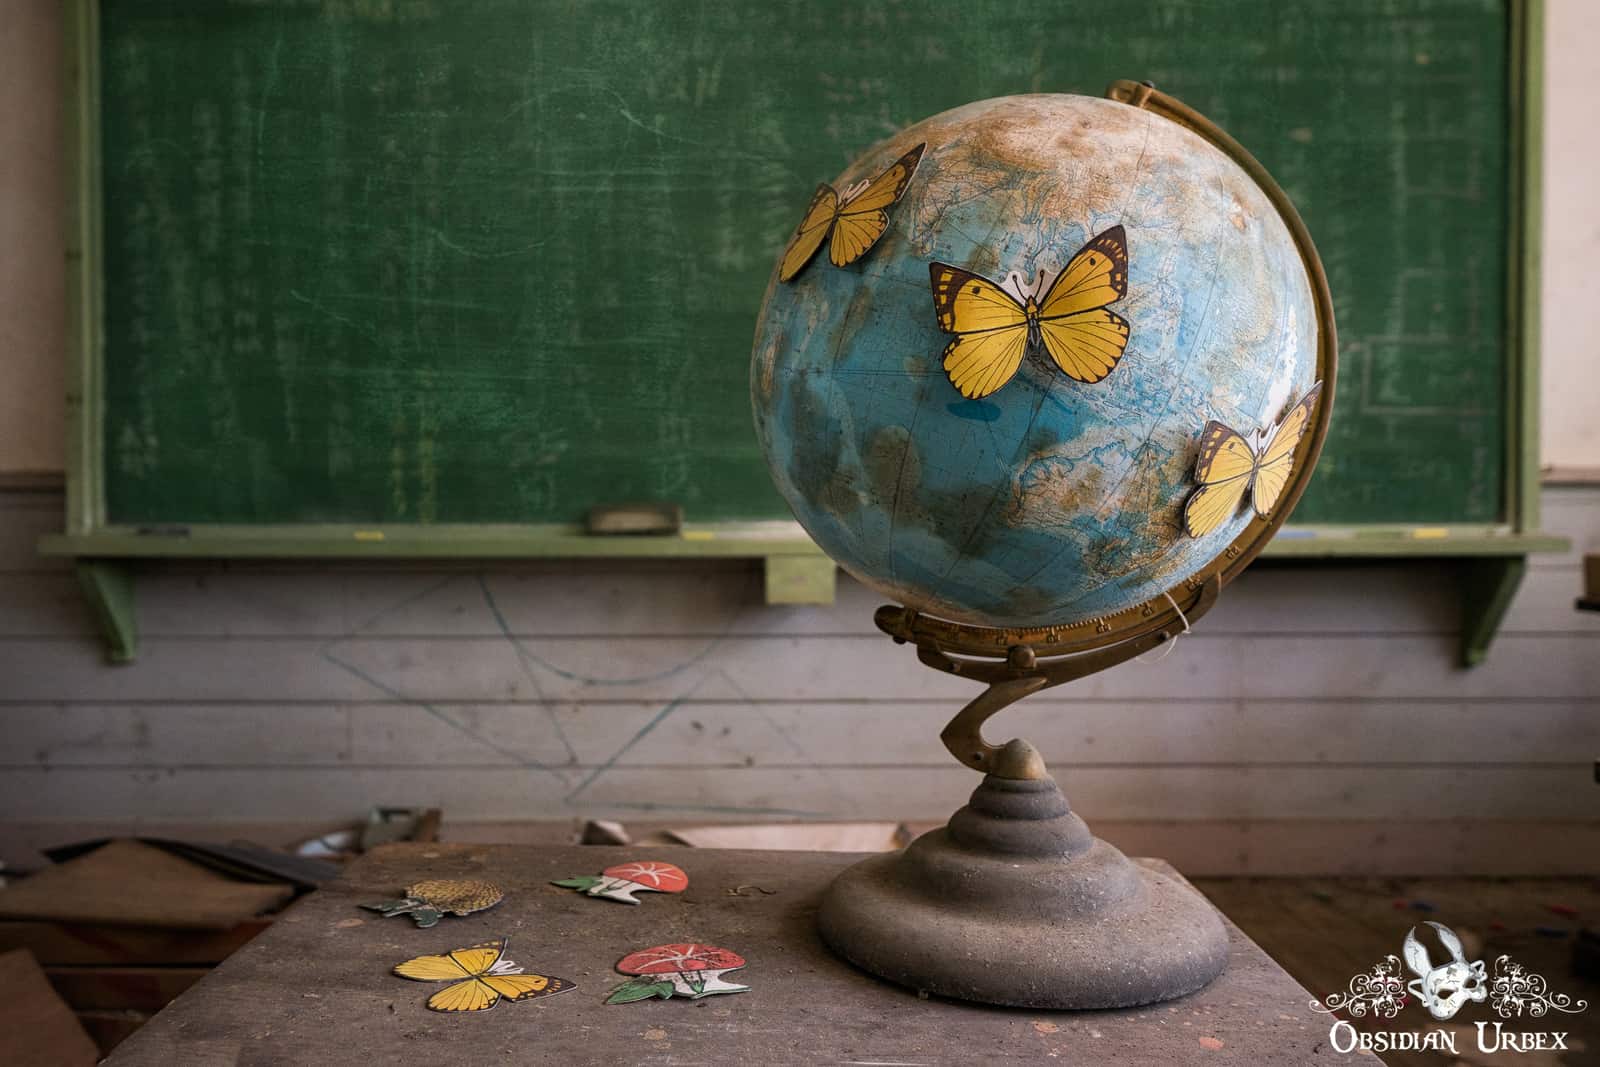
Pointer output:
x,y
426,901
996,328
625,879
482,975
685,970
856,218
1231,464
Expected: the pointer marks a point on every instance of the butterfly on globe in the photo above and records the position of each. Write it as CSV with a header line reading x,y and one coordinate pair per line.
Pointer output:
x,y
1232,464
482,978
856,218
995,329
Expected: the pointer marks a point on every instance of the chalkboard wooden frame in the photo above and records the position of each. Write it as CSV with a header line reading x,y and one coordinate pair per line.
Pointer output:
x,y
1493,557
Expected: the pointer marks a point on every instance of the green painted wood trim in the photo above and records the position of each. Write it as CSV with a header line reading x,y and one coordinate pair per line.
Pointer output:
x,y
108,586
1526,100
796,570
800,579
1487,589
698,540
1419,542
85,304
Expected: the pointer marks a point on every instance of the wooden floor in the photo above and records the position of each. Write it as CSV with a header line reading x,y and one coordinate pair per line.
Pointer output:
x,y
1323,931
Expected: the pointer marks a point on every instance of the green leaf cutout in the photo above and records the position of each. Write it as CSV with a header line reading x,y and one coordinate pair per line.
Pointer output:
x,y
579,883
394,907
425,917
639,989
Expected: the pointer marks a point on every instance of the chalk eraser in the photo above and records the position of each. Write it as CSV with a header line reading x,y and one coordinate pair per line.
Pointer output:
x,y
648,518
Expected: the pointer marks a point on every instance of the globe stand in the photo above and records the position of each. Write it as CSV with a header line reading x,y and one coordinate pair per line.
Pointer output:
x,y
1015,902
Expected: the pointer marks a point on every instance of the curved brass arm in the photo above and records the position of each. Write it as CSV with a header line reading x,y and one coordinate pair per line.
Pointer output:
x,y
1021,674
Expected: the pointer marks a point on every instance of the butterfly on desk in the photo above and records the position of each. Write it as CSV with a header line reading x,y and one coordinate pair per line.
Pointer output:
x,y
1231,464
856,218
995,329
482,978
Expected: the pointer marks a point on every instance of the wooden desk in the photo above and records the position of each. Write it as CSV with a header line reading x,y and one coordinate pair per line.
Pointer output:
x,y
317,987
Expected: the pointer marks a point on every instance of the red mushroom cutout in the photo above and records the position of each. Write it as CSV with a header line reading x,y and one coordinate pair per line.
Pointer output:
x,y
625,879
693,971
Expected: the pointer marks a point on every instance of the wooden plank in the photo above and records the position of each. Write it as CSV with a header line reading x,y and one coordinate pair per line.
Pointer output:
x,y
840,734
23,844
24,518
1544,604
109,1029
494,791
36,1028
599,599
1572,512
800,997
60,944
194,734
596,598
770,668
1392,845
43,604
874,709
1372,847
131,883
147,989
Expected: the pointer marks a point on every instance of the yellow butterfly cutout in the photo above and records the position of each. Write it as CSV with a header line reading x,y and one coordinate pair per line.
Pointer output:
x,y
488,978
857,217
994,329
1229,464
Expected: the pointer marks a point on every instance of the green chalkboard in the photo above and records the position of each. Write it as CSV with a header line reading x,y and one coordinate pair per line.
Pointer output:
x,y
409,261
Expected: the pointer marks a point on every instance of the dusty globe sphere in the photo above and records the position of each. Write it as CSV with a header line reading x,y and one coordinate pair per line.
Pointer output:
x,y
1049,501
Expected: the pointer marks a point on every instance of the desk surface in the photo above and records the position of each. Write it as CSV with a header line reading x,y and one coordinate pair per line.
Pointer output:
x,y
317,986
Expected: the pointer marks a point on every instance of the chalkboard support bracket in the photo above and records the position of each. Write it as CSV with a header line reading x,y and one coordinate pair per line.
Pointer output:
x,y
108,586
1488,585
800,579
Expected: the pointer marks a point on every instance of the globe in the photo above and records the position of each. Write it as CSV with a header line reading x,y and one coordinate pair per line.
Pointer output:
x,y
1050,501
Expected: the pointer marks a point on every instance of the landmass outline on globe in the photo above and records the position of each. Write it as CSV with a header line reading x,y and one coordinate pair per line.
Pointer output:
x,y
820,492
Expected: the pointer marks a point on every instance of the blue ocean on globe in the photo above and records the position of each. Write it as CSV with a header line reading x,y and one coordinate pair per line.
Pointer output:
x,y
1050,501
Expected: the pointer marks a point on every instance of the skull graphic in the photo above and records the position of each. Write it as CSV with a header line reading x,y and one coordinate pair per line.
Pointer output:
x,y
1444,989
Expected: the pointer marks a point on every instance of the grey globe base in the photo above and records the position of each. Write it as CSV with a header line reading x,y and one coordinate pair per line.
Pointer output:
x,y
1016,903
